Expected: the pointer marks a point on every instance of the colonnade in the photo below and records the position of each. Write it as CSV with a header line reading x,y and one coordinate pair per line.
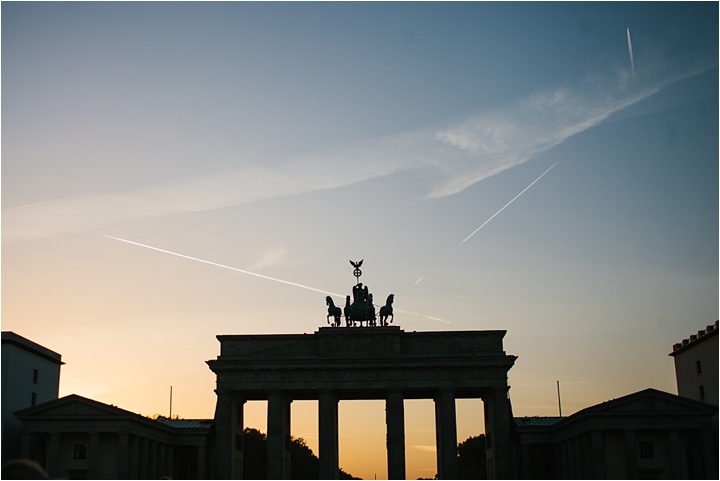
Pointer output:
x,y
105,454
585,455
229,426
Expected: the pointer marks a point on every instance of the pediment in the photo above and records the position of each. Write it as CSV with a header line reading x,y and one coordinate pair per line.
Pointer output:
x,y
649,401
73,406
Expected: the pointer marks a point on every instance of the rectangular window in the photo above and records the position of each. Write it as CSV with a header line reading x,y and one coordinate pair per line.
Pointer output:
x,y
702,393
33,399
698,367
36,374
646,450
80,451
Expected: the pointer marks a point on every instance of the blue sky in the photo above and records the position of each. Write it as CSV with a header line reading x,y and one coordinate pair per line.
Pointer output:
x,y
286,138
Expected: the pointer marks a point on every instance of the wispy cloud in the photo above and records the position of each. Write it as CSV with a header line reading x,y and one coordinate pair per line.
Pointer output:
x,y
424,448
464,152
272,256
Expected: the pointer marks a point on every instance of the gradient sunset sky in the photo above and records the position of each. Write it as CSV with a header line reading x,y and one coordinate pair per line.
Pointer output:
x,y
284,139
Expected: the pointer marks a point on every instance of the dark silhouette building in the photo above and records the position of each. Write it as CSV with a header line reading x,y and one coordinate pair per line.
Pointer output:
x,y
78,438
649,434
30,376
696,365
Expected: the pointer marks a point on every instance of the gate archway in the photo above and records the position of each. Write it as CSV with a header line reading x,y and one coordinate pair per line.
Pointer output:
x,y
384,363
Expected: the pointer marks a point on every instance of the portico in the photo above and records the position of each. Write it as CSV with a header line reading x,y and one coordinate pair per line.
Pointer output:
x,y
336,364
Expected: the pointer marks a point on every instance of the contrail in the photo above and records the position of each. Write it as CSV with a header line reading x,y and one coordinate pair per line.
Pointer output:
x,y
503,207
226,267
295,284
632,61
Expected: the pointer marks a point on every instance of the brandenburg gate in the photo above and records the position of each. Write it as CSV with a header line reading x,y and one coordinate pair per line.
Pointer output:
x,y
362,360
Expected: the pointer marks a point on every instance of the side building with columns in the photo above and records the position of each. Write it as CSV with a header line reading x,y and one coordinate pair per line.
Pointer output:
x,y
335,364
78,438
648,434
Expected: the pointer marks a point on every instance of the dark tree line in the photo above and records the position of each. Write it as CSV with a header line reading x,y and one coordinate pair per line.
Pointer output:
x,y
471,458
305,465
303,462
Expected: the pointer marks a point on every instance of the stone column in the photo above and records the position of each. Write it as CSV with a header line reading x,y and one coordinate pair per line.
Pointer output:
x,y
328,435
123,456
559,473
161,447
143,459
278,436
134,464
152,459
228,436
497,427
93,455
580,457
526,471
598,455
631,455
169,462
589,467
395,421
53,464
572,460
564,460
446,434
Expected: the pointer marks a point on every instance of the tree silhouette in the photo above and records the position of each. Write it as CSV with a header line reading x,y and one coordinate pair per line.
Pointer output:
x,y
254,454
471,458
303,462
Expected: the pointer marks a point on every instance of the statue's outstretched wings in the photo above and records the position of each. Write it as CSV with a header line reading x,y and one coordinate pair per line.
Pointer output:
x,y
357,265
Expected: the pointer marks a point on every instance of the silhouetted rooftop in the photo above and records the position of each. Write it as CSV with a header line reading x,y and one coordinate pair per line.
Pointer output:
x,y
695,339
187,423
537,421
30,346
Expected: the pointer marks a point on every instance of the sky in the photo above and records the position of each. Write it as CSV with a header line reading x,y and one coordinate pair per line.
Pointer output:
x,y
267,142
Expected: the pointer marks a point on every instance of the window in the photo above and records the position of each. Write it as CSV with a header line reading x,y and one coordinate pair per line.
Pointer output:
x,y
646,449
702,393
80,451
33,399
698,367
36,374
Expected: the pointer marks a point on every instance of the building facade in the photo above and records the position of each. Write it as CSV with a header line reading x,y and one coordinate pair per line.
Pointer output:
x,y
78,438
649,434
30,376
696,365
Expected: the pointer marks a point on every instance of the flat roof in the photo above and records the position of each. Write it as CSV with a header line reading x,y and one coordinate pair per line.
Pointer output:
x,y
694,340
9,337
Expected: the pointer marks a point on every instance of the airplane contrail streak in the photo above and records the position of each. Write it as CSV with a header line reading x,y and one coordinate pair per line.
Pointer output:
x,y
632,60
226,267
503,207
295,284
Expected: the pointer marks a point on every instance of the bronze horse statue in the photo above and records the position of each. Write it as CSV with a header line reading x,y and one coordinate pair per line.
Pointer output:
x,y
387,311
333,311
347,311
